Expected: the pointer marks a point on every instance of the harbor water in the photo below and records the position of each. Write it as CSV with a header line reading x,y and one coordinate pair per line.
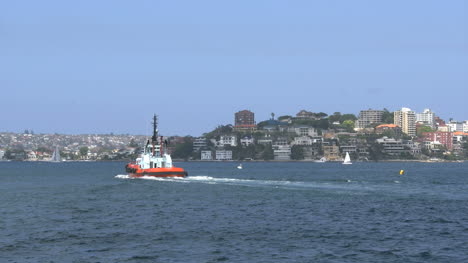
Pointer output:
x,y
265,212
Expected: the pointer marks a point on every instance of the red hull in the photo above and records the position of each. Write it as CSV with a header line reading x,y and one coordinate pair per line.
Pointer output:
x,y
135,171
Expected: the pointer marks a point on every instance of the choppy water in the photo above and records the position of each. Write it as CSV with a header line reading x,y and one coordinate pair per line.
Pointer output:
x,y
266,212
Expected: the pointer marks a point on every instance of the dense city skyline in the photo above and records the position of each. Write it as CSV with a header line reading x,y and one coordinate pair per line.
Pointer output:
x,y
99,67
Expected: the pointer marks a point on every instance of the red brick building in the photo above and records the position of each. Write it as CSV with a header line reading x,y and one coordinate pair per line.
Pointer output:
x,y
244,121
444,138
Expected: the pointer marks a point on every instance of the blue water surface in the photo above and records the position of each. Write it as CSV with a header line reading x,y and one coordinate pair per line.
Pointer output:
x,y
266,212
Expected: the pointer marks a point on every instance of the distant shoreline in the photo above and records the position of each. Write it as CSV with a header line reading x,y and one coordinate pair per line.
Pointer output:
x,y
311,161
252,161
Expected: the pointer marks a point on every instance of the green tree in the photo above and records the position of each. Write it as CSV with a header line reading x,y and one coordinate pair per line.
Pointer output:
x,y
422,129
262,124
297,152
15,154
268,153
322,124
346,117
220,130
84,151
322,115
348,125
335,117
387,117
390,134
284,117
376,151
133,143
465,149
184,150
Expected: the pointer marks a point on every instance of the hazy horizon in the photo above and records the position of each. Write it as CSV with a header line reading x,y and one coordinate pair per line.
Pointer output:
x,y
99,67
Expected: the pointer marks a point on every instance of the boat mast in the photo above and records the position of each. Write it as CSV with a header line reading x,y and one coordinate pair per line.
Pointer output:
x,y
154,139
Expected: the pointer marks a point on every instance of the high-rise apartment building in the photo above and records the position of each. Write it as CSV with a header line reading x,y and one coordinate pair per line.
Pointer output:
x,y
406,119
244,121
455,126
427,117
368,117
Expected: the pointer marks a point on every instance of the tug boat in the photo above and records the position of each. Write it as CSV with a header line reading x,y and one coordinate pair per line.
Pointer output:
x,y
154,161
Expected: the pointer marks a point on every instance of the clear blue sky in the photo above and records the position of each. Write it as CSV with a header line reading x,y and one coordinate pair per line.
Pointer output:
x,y
107,66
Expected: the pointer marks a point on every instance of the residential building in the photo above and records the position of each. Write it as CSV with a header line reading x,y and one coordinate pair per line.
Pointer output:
x,y
367,118
223,155
465,126
274,125
458,137
206,156
228,140
443,128
406,119
455,126
282,152
281,141
317,139
199,144
427,118
438,122
267,139
438,137
306,115
413,147
2,154
244,121
302,140
392,146
312,151
246,141
331,152
388,127
348,148
303,130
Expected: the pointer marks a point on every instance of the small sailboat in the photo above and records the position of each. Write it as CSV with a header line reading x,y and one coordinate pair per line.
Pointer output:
x,y
347,159
239,166
56,155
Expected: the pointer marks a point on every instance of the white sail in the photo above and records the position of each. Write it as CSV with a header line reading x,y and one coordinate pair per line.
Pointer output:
x,y
56,155
347,159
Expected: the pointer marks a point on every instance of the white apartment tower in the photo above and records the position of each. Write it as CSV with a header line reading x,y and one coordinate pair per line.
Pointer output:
x,y
455,126
427,117
406,119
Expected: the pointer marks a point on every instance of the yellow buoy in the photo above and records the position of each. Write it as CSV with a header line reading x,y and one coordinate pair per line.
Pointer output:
x,y
402,172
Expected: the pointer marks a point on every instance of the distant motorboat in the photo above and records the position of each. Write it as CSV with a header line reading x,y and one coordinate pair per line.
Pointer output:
x,y
322,160
239,166
347,159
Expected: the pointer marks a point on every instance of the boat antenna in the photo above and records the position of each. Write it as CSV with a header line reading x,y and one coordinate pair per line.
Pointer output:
x,y
154,139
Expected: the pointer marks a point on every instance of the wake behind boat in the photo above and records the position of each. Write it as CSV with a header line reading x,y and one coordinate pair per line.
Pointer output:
x,y
154,161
